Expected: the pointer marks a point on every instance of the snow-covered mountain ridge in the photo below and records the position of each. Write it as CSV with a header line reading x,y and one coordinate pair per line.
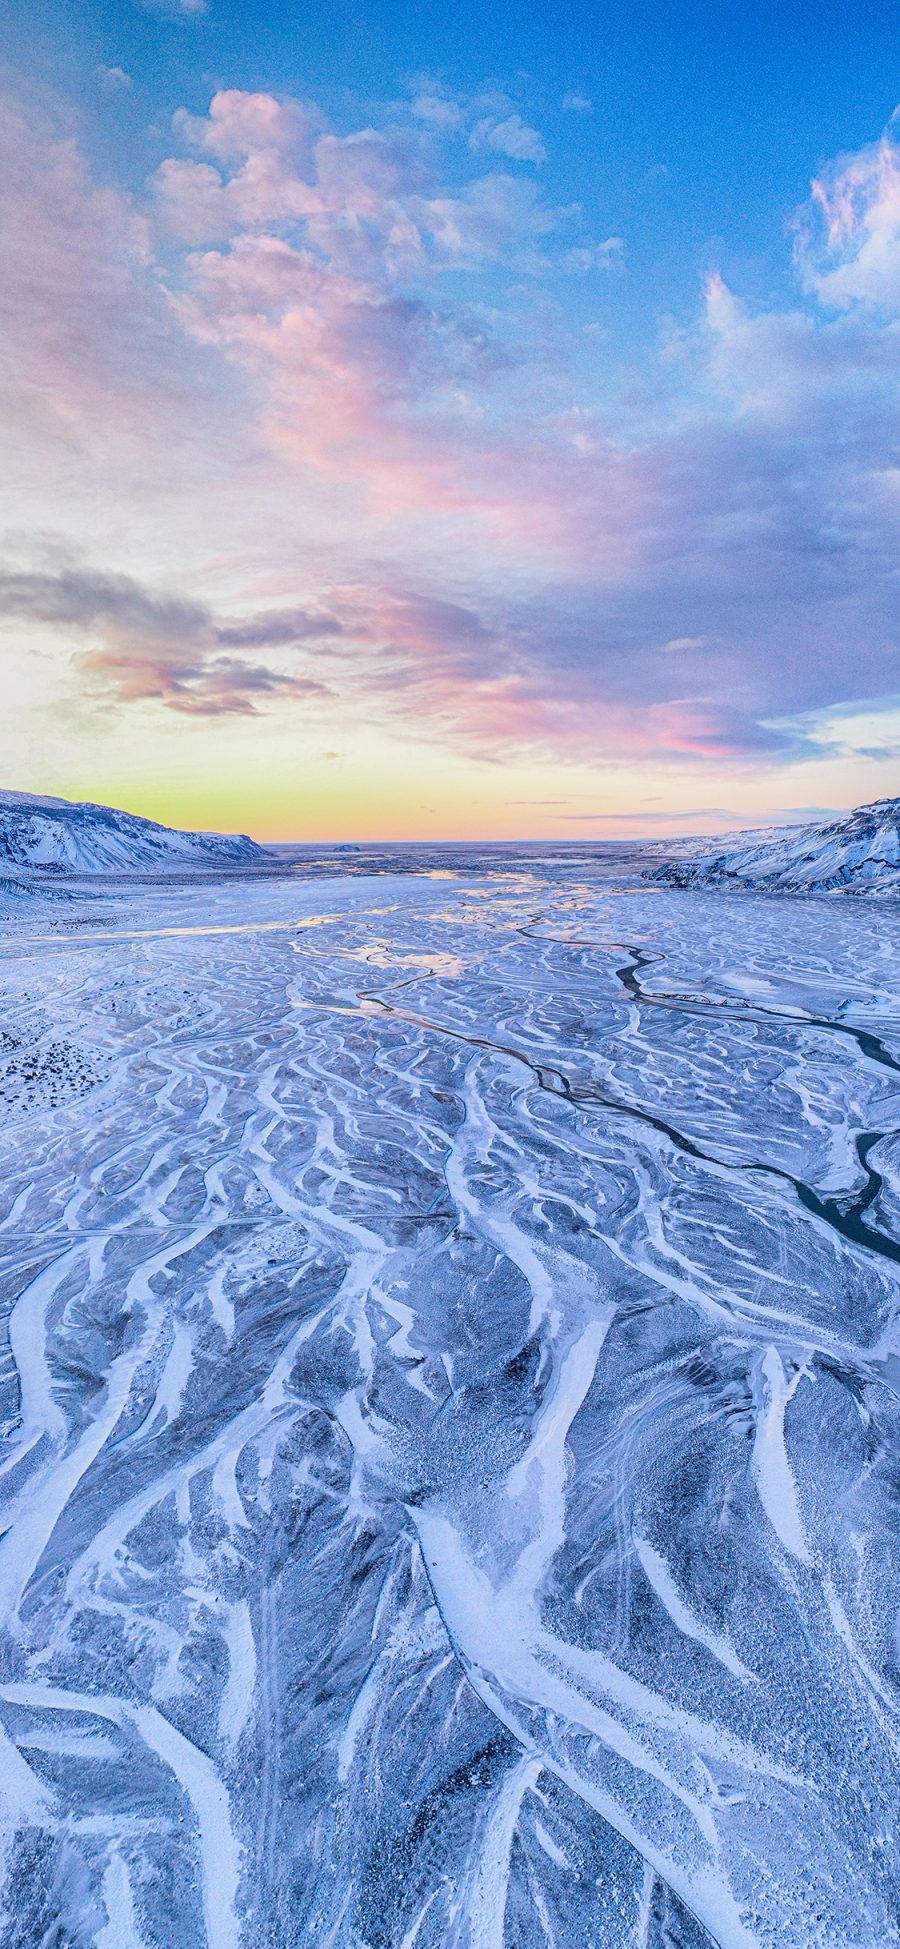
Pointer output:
x,y
858,852
58,836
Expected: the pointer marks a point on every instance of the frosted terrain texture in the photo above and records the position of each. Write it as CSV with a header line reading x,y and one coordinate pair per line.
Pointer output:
x,y
451,1410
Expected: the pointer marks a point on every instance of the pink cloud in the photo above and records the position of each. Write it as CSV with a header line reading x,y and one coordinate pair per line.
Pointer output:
x,y
502,557
848,239
483,683
368,199
220,687
335,355
309,290
93,362
240,125
146,645
74,258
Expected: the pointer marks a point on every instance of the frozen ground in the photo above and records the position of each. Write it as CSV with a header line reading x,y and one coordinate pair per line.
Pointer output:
x,y
451,1403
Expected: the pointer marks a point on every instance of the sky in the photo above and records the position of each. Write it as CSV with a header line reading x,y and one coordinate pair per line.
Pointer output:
x,y
451,422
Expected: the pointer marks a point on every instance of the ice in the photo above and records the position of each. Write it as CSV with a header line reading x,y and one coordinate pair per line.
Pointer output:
x,y
449,1398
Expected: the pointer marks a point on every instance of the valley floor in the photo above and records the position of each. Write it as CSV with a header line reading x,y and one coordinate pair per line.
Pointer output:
x,y
450,1392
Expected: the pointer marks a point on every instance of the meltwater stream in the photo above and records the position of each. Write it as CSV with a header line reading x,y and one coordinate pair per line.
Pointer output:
x,y
450,1403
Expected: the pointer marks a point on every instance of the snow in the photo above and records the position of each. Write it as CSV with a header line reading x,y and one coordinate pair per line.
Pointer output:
x,y
450,1330
54,835
858,852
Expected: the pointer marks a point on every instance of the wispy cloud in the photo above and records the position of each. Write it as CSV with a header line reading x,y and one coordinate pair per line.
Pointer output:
x,y
510,136
200,687
157,647
489,118
641,820
437,111
174,9
848,238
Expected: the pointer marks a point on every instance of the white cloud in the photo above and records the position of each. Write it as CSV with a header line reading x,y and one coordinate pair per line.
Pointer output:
x,y
368,202
577,103
439,111
511,137
594,257
174,9
324,400
848,236
113,80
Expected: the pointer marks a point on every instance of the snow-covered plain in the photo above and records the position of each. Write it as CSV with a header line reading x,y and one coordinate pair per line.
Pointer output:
x,y
451,1397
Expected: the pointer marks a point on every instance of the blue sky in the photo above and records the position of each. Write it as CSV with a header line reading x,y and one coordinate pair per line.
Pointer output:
x,y
706,121
540,363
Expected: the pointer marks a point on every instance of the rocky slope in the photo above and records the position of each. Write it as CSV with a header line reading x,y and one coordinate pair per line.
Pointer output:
x,y
858,852
56,836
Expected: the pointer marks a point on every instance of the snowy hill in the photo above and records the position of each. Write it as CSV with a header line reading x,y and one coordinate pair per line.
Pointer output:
x,y
859,852
55,836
